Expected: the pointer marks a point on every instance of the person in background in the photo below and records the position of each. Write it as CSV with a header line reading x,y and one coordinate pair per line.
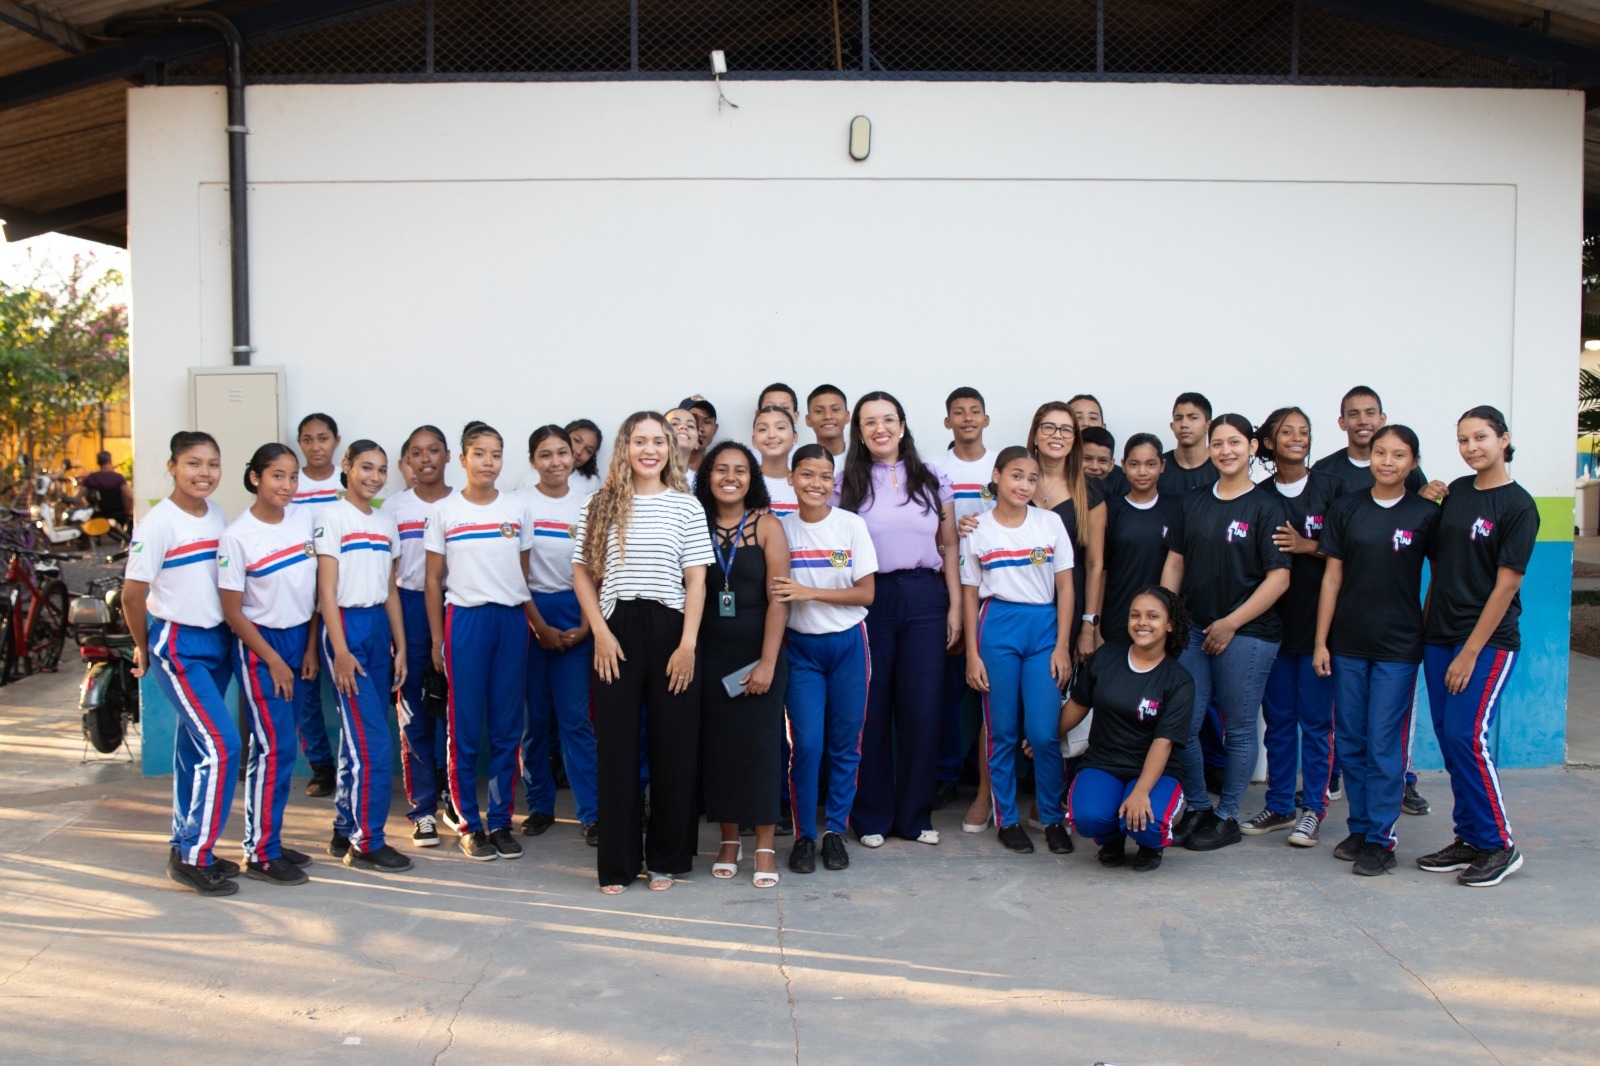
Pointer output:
x,y
1487,529
1086,411
1222,561
1187,466
1136,528
705,420
320,485
827,414
174,615
915,616
773,435
969,466
1099,459
112,497
586,440
780,395
741,727
686,436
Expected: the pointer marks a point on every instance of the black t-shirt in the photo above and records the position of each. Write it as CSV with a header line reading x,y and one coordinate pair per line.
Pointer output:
x,y
1067,511
1379,612
1339,466
1178,481
1136,550
1131,710
1307,512
1227,550
1116,482
1480,530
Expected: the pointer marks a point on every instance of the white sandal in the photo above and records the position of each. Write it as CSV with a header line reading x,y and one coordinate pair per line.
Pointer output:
x,y
872,840
726,870
765,878
661,882
928,836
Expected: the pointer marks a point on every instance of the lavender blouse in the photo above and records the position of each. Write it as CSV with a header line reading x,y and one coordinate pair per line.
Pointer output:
x,y
904,535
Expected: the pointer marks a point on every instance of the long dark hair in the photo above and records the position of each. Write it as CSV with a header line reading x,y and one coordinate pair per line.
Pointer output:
x,y
1072,466
1177,640
1496,420
922,484
1265,443
590,469
263,458
756,497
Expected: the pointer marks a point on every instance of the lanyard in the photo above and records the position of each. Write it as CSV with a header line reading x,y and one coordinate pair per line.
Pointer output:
x,y
733,549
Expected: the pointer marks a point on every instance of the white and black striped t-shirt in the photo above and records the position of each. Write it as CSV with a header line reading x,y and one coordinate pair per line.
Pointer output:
x,y
666,533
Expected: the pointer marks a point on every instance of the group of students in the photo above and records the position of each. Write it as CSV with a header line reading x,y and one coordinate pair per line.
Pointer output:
x,y
750,633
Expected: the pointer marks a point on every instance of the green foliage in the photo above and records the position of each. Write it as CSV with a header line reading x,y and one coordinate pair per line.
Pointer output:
x,y
63,355
1588,401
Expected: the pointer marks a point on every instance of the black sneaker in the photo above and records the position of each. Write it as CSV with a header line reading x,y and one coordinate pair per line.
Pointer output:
x,y
803,856
450,818
224,867
1490,868
1148,859
505,845
1113,853
785,826
1268,821
834,855
1413,802
424,833
476,845
1457,855
1015,838
1348,848
277,871
1375,860
322,781
1214,833
1058,839
201,879
943,793
1186,825
338,846
534,824
384,859
591,834
299,858
1335,787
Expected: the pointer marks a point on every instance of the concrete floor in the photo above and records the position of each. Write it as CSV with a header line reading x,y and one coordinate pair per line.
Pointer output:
x,y
960,953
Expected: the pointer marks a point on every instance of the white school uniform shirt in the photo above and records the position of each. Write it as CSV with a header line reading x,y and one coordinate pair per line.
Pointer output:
x,y
482,545
667,533
554,522
364,545
316,495
584,485
969,480
1017,565
834,553
275,566
410,514
175,553
784,501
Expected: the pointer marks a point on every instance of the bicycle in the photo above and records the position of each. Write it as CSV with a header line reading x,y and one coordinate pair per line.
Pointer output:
x,y
33,613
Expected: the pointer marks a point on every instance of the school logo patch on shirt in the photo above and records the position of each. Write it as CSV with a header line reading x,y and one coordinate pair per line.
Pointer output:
x,y
222,562
318,531
1148,709
986,493
838,558
1481,529
507,530
1313,526
1402,539
136,547
1038,556
1238,531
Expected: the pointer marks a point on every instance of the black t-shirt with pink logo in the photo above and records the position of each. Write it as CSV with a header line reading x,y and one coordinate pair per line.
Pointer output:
x,y
1132,709
1480,530
1378,615
1227,551
1307,512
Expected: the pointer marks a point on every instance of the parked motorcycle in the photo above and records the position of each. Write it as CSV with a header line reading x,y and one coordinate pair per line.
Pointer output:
x,y
109,695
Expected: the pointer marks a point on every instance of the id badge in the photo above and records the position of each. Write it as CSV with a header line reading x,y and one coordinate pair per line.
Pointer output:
x,y
725,606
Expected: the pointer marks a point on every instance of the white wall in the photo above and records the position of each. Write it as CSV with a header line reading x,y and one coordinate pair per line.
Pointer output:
x,y
528,253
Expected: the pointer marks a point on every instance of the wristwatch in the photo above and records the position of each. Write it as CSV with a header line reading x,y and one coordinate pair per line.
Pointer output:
x,y
1092,619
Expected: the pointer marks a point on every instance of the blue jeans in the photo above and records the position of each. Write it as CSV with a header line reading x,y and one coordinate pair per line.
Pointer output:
x,y
1298,706
1237,678
1374,708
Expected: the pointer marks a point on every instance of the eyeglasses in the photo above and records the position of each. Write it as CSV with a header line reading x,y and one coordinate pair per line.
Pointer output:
x,y
886,422
1051,429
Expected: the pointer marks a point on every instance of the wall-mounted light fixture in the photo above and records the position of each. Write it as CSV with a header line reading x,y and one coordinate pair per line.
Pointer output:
x,y
860,137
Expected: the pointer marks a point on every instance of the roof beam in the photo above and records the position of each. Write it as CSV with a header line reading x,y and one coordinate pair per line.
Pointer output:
x,y
1561,59
129,57
29,19
22,224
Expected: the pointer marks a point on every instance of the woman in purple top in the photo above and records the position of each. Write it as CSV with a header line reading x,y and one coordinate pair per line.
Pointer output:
x,y
915,616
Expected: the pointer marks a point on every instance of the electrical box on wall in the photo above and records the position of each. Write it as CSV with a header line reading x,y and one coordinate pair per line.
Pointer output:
x,y
243,407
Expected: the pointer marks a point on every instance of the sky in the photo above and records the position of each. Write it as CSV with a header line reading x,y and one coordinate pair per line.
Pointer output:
x,y
19,260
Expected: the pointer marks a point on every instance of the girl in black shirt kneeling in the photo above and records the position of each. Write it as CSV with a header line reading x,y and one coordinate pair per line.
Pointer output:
x,y
1143,701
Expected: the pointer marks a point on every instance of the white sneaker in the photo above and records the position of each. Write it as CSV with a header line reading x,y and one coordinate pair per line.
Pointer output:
x,y
928,836
1304,834
872,840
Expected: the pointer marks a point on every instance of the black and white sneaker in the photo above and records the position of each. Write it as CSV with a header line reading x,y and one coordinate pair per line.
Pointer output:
x,y
535,824
1336,787
1490,868
1457,855
201,879
1268,821
1412,802
1348,848
450,818
1015,838
475,845
1058,839
424,833
1304,834
384,859
338,845
505,845
1375,860
279,871
834,855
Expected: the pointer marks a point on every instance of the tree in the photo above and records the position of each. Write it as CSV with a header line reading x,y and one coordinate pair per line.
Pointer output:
x,y
63,356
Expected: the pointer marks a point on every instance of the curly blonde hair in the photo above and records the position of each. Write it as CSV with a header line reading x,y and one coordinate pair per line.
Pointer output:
x,y
612,506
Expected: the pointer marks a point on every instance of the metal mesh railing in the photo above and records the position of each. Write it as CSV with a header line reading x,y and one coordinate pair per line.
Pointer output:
x,y
1163,40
